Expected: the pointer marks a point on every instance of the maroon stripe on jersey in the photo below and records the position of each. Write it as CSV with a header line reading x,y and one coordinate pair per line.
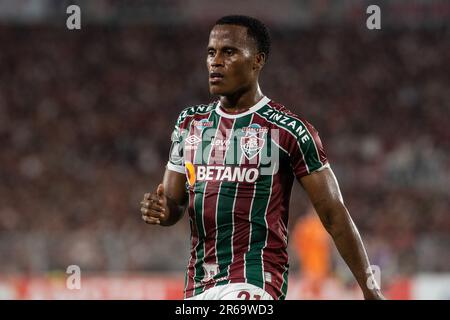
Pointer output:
x,y
241,232
296,156
189,290
211,195
241,212
275,251
209,211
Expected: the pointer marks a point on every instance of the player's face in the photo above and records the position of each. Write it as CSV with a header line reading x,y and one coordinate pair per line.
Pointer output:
x,y
231,60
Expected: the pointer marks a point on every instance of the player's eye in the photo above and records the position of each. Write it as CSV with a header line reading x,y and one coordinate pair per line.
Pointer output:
x,y
229,52
211,53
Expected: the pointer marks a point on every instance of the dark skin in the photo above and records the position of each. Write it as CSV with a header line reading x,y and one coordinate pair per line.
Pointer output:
x,y
234,55
234,65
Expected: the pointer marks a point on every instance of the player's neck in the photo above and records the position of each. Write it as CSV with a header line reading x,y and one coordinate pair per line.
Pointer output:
x,y
241,101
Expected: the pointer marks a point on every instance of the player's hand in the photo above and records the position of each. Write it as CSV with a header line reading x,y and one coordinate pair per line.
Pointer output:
x,y
154,206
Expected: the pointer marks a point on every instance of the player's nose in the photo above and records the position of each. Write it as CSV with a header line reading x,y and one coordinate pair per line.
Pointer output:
x,y
216,61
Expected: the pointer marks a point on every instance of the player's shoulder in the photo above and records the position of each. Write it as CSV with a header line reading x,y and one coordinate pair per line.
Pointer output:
x,y
293,126
280,115
190,113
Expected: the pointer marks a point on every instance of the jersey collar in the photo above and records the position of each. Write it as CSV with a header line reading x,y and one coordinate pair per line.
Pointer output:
x,y
261,103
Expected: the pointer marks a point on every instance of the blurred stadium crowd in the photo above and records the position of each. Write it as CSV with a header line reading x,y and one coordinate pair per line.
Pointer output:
x,y
86,117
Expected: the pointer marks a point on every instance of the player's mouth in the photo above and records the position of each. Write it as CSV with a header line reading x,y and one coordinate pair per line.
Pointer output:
x,y
215,77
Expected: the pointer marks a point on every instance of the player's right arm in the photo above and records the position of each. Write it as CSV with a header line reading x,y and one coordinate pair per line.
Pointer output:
x,y
167,204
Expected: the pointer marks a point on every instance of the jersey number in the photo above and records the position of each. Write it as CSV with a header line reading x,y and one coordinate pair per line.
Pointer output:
x,y
246,295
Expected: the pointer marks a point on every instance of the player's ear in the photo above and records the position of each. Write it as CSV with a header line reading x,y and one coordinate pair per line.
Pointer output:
x,y
260,60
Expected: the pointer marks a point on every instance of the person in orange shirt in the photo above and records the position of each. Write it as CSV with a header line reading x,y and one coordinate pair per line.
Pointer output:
x,y
312,245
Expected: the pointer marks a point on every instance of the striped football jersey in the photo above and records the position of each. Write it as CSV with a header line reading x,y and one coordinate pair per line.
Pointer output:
x,y
239,171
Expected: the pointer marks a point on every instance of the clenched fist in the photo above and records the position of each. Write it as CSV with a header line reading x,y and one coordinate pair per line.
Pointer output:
x,y
154,206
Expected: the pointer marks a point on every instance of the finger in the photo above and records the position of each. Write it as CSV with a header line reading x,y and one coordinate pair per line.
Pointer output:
x,y
147,196
152,213
160,190
156,199
154,207
151,220
147,204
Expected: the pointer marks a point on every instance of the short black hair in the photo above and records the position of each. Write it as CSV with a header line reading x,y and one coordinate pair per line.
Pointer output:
x,y
255,29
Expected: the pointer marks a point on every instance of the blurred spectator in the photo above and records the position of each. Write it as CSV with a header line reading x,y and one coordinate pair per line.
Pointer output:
x,y
313,247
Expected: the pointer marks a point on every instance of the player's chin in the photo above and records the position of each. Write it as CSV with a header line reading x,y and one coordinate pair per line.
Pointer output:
x,y
215,89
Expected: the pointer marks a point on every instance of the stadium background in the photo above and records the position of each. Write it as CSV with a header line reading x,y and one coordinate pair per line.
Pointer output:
x,y
86,116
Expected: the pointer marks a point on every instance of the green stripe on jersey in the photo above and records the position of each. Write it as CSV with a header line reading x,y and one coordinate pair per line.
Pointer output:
x,y
258,231
298,129
225,205
199,190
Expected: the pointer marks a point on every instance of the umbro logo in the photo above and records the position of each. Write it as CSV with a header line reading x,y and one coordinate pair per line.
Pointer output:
x,y
193,139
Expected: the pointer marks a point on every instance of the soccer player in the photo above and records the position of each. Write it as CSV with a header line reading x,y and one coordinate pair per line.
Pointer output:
x,y
232,164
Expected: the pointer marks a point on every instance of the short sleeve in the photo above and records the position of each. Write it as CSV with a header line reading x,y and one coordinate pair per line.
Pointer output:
x,y
176,157
307,152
